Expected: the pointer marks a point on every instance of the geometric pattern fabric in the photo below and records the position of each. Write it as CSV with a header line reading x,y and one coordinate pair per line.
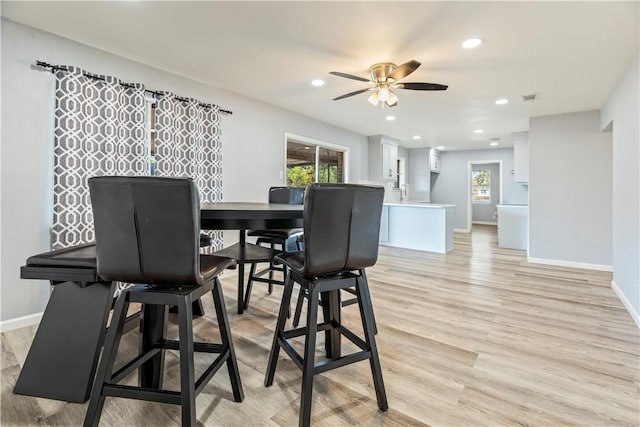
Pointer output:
x,y
188,145
99,130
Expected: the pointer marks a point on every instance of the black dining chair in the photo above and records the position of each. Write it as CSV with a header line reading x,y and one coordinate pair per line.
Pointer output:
x,y
341,229
147,232
282,239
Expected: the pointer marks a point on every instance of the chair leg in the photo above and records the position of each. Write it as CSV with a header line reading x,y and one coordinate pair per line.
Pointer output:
x,y
308,363
282,318
247,294
187,376
363,274
366,314
225,334
298,313
270,285
112,342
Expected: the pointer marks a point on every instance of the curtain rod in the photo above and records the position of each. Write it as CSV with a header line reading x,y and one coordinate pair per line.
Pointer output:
x,y
42,64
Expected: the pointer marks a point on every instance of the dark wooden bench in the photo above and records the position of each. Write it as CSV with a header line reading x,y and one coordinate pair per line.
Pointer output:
x,y
62,360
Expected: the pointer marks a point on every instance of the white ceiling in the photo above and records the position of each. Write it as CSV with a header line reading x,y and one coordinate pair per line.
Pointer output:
x,y
569,53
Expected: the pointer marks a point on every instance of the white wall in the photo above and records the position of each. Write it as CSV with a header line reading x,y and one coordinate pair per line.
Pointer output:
x,y
450,185
252,138
570,190
622,112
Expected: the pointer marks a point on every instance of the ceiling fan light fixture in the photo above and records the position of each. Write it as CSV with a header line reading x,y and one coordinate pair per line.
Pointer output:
x,y
383,94
373,99
392,100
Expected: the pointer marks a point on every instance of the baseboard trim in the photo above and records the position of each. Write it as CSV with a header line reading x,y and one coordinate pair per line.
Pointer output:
x,y
484,223
572,264
461,230
627,304
20,322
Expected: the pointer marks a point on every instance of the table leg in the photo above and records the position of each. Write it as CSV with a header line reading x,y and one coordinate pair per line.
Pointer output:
x,y
153,325
331,311
243,239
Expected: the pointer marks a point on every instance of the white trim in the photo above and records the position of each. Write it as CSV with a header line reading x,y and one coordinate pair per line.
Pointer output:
x,y
623,298
572,264
461,230
484,223
470,164
20,322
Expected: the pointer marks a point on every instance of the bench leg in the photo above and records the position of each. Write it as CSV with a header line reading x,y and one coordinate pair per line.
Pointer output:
x,y
62,360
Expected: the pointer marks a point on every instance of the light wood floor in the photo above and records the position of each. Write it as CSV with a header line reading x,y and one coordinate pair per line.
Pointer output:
x,y
475,337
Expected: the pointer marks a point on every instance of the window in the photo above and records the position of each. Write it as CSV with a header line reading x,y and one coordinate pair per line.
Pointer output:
x,y
307,163
481,186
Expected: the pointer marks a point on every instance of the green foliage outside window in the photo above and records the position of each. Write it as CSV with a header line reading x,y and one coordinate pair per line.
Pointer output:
x,y
301,176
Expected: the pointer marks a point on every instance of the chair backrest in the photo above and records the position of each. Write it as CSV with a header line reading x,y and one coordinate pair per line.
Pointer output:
x,y
147,229
286,195
341,227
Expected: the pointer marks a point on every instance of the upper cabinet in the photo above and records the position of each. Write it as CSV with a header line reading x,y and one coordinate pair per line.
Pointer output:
x,y
434,160
383,158
521,157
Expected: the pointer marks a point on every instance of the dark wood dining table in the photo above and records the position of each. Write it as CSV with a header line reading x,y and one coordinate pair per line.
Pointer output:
x,y
246,216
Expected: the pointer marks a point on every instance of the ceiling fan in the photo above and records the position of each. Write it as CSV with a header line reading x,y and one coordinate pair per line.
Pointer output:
x,y
384,77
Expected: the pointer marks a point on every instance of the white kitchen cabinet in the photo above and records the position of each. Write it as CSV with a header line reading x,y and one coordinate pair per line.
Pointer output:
x,y
434,160
521,161
383,158
513,226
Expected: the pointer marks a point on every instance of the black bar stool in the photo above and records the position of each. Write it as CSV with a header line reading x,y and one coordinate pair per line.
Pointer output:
x,y
147,231
341,229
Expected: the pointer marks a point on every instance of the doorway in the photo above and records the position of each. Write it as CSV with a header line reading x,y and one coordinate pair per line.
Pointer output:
x,y
484,183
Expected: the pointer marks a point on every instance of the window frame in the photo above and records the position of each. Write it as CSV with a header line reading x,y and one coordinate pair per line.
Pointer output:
x,y
317,144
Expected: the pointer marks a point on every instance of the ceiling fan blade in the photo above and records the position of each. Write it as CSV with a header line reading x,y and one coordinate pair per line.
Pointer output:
x,y
403,70
346,95
422,86
349,76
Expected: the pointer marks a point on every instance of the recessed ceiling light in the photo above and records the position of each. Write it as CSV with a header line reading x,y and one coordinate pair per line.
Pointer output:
x,y
317,82
478,131
416,137
493,144
440,147
390,118
307,148
502,101
472,42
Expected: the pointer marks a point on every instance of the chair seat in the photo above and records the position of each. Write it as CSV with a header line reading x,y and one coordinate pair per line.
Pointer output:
x,y
293,260
248,253
79,256
212,265
283,233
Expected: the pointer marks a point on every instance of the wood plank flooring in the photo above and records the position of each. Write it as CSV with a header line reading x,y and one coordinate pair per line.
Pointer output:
x,y
476,337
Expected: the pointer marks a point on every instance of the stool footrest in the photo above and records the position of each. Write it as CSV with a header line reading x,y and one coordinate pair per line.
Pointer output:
x,y
131,392
121,373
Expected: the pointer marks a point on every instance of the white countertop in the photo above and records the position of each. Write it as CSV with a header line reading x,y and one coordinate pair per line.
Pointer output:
x,y
419,204
513,206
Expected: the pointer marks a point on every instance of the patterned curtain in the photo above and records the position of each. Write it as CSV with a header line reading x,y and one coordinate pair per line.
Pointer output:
x,y
188,145
99,130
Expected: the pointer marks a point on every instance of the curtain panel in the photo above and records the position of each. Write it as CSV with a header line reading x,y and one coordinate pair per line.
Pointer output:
x,y
188,145
99,130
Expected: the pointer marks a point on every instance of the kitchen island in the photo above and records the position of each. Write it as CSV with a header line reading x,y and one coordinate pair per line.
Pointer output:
x,y
417,225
